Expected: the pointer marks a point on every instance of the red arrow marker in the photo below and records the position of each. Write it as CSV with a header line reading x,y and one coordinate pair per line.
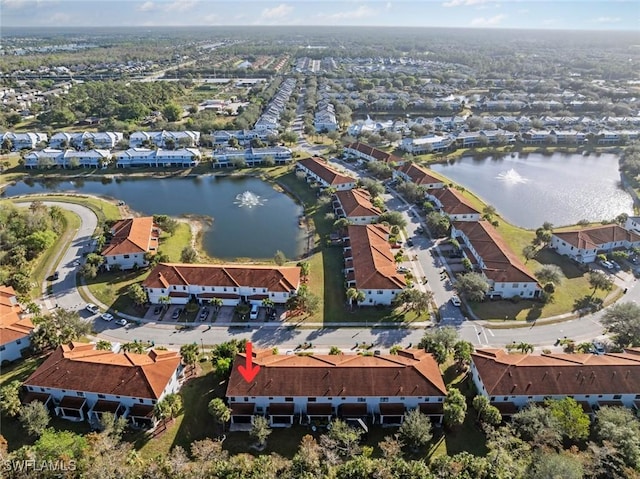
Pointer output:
x,y
248,371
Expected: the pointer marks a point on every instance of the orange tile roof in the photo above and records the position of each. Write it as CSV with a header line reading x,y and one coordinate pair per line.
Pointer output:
x,y
409,373
374,153
356,202
373,261
596,236
501,265
505,374
453,202
418,174
131,235
80,367
325,171
12,326
274,278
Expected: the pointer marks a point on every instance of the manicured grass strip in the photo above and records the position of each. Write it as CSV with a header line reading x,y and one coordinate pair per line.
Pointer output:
x,y
104,210
173,245
110,288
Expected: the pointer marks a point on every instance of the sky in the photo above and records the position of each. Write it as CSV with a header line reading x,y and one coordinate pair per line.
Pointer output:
x,y
516,14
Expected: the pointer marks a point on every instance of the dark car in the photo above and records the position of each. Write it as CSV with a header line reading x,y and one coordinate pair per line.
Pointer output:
x,y
176,313
157,310
409,242
203,314
56,275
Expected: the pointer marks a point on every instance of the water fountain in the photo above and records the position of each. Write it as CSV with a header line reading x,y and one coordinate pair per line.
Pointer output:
x,y
249,200
512,177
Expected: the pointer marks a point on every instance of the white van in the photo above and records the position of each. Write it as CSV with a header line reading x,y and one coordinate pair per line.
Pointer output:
x,y
254,312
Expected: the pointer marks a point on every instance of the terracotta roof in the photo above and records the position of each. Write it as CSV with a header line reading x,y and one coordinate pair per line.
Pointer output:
x,y
12,326
410,373
595,237
374,152
325,171
274,278
418,174
131,235
373,262
80,367
505,374
501,264
356,202
453,202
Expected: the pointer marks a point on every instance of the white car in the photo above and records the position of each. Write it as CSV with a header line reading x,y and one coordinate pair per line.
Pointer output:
x,y
107,316
121,322
92,308
455,301
254,312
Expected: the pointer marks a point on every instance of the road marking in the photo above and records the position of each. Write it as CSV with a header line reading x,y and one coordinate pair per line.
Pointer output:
x,y
490,332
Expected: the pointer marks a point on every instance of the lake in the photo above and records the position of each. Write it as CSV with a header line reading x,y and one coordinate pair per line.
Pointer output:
x,y
529,189
250,218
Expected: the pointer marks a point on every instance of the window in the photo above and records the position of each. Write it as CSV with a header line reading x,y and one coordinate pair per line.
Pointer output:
x,y
2,348
246,399
515,285
362,400
140,401
18,341
254,290
203,288
224,289
379,291
184,288
617,396
80,394
493,398
42,390
311,399
101,396
289,399
384,399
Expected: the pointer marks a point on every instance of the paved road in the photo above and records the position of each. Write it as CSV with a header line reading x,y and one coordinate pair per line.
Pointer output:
x,y
65,295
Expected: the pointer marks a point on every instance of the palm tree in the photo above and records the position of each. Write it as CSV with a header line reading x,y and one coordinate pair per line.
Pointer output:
x,y
189,353
268,303
217,303
164,301
220,411
524,347
352,294
304,269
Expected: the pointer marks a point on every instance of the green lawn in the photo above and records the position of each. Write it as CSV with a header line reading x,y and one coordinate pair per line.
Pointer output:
x,y
172,245
104,210
110,288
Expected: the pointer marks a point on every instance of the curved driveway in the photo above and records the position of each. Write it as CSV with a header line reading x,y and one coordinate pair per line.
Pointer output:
x,y
66,295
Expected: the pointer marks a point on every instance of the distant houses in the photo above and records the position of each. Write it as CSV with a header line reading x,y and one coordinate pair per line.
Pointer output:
x,y
50,158
365,152
131,240
232,283
226,157
512,381
79,383
304,389
585,244
15,329
418,175
165,139
369,264
21,141
145,157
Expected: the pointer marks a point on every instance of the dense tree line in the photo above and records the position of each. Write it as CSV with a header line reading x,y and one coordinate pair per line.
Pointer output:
x,y
25,233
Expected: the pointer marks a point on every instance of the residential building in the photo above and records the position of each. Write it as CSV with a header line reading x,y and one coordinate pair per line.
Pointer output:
x,y
15,330
244,137
512,381
61,140
497,137
369,153
251,156
320,171
426,144
49,158
419,175
570,137
305,389
131,240
355,205
22,141
144,157
467,139
584,245
370,266
103,139
232,283
325,118
536,137
80,383
508,277
165,139
454,204
633,224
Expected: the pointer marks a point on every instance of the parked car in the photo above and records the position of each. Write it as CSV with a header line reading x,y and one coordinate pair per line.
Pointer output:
x,y
157,310
254,312
56,275
204,314
598,347
92,308
419,230
121,322
107,316
455,301
409,242
176,313
402,270
615,265
606,264
272,315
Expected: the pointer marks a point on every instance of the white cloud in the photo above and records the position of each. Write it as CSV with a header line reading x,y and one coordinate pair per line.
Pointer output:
x,y
22,4
608,19
465,3
180,5
488,21
361,12
146,7
280,11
